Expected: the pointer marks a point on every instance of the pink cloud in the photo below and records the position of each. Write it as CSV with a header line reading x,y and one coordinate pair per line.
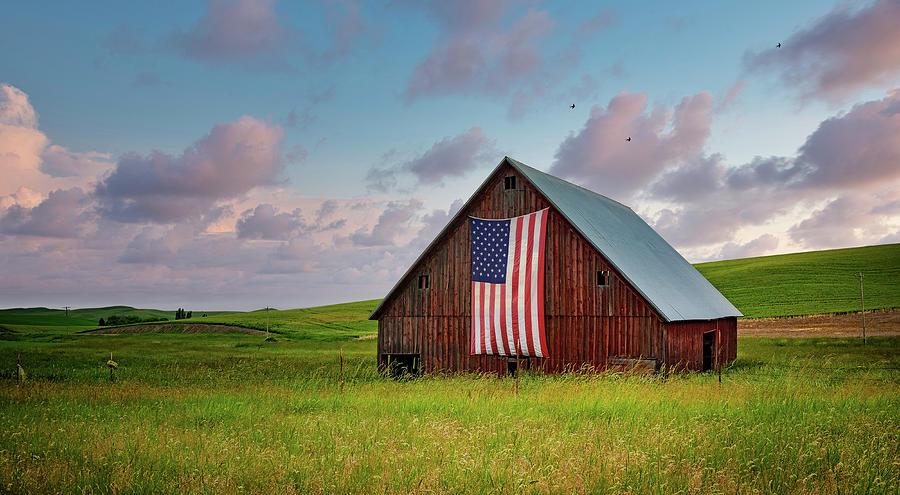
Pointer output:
x,y
264,222
762,245
851,155
15,109
844,51
250,32
450,157
232,159
477,52
235,30
29,160
600,156
396,220
62,214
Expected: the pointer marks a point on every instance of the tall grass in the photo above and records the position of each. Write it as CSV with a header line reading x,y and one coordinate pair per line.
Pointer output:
x,y
229,413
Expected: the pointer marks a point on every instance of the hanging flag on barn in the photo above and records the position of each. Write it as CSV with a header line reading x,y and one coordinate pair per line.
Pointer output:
x,y
508,285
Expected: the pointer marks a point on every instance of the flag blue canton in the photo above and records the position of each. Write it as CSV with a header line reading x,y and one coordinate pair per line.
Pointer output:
x,y
490,248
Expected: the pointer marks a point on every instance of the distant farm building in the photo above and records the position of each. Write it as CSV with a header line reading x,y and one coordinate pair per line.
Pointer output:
x,y
616,295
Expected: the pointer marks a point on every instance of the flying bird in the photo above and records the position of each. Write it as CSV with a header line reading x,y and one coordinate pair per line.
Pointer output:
x,y
778,45
628,139
572,106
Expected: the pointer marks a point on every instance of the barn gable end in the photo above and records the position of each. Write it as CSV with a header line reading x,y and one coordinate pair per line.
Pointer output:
x,y
586,324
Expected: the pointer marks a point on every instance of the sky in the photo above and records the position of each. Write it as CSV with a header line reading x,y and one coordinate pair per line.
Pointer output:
x,y
234,154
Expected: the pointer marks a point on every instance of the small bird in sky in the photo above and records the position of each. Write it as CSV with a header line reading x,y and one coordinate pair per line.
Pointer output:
x,y
778,45
572,106
628,139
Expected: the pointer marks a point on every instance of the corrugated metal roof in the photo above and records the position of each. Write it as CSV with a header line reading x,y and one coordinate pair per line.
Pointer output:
x,y
669,283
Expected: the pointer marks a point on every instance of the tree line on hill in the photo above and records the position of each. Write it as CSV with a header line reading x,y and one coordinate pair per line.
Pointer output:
x,y
127,320
180,314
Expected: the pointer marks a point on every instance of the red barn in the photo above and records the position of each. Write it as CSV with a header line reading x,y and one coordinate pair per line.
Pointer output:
x,y
615,293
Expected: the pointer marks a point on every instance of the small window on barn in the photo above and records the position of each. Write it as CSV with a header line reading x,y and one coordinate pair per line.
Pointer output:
x,y
509,183
602,278
424,282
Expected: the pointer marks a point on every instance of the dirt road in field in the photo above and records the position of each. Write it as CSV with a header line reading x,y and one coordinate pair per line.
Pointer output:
x,y
878,324
178,328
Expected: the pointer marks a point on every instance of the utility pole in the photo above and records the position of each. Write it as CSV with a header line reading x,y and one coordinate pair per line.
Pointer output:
x,y
862,305
67,311
267,322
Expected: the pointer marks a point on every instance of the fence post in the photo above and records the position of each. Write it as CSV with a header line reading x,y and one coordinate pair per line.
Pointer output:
x,y
862,304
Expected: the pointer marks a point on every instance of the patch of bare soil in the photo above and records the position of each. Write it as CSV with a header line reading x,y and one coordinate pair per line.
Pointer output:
x,y
178,328
878,324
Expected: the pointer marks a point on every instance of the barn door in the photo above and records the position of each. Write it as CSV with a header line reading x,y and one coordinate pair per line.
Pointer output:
x,y
709,342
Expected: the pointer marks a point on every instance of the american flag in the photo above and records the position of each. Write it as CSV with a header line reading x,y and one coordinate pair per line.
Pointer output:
x,y
508,285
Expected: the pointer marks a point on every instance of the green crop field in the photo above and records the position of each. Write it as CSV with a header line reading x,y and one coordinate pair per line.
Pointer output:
x,y
814,282
323,323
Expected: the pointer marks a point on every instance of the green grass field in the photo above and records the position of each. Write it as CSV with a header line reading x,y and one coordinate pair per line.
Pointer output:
x,y
809,283
229,413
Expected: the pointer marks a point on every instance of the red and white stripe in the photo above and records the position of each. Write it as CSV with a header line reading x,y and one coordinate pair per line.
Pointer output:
x,y
508,315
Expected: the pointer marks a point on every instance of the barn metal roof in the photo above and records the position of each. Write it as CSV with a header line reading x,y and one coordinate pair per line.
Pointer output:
x,y
672,285
666,280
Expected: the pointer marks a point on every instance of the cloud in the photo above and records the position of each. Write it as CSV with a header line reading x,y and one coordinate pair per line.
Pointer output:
x,y
296,154
250,33
852,218
57,161
477,52
450,157
264,222
15,109
763,244
394,221
232,159
236,30
600,157
844,51
728,100
27,157
700,203
434,222
152,246
850,157
858,148
62,214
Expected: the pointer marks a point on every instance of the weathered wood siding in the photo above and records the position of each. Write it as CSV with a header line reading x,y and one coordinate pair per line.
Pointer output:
x,y
684,342
585,324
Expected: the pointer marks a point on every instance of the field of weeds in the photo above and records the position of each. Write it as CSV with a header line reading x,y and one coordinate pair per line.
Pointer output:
x,y
228,413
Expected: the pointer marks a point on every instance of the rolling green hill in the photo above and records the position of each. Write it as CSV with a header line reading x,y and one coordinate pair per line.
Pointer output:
x,y
807,283
48,323
323,323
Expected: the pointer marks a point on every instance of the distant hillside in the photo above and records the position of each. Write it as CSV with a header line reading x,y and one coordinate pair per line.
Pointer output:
x,y
77,317
807,283
323,323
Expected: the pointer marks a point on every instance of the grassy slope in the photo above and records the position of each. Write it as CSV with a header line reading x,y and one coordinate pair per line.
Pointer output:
x,y
809,283
55,321
323,323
